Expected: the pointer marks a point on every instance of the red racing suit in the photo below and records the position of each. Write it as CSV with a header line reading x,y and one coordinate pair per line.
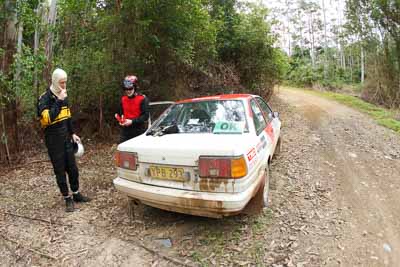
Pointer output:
x,y
135,108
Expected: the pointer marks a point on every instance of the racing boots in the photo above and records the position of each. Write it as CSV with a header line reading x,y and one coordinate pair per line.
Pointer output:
x,y
78,197
69,204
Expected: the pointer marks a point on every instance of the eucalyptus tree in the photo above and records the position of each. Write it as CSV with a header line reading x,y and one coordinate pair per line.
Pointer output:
x,y
311,14
15,70
288,20
8,45
377,23
325,45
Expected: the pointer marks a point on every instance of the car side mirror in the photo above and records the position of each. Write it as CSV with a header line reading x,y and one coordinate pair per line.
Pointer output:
x,y
276,114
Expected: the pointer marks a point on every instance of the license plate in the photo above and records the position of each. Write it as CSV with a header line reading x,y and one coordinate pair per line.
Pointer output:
x,y
167,173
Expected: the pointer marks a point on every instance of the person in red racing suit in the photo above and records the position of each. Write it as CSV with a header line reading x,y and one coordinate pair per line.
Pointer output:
x,y
55,117
134,110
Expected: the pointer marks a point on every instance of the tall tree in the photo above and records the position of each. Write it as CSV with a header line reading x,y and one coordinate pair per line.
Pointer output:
x,y
50,36
379,20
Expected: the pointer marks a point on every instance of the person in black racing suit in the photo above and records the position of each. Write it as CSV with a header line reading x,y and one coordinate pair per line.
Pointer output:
x,y
55,118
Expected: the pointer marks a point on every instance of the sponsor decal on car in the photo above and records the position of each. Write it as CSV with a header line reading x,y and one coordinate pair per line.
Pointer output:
x,y
251,154
229,127
270,131
262,144
252,157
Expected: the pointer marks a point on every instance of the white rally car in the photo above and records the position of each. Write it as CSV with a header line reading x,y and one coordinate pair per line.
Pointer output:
x,y
205,156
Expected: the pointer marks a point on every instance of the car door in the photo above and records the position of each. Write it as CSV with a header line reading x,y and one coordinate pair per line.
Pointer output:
x,y
263,141
273,122
156,109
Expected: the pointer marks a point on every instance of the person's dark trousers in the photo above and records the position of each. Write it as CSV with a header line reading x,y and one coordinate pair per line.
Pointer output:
x,y
62,157
131,132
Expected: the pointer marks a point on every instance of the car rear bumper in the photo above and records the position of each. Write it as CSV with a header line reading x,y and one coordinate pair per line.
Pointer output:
x,y
214,205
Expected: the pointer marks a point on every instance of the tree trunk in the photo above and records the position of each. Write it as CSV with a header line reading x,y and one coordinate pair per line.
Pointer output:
x,y
325,42
9,46
311,30
10,34
19,52
50,36
35,51
343,59
17,77
398,72
4,135
351,66
362,65
101,114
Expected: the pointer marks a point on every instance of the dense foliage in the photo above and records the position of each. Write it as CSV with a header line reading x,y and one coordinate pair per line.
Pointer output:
x,y
177,48
377,23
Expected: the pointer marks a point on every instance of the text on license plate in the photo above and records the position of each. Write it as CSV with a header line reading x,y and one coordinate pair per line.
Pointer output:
x,y
167,173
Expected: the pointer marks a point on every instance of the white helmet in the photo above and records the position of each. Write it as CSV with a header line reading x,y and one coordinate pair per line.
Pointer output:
x,y
78,149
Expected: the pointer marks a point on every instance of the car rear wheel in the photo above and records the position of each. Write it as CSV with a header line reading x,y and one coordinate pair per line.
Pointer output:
x,y
266,187
261,198
135,209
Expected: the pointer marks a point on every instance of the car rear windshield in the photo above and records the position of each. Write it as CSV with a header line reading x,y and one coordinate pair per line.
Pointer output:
x,y
213,116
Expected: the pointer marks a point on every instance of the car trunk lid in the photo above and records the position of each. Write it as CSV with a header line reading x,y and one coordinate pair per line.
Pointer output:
x,y
172,160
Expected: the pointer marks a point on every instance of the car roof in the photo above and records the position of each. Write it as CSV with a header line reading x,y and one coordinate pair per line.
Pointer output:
x,y
216,97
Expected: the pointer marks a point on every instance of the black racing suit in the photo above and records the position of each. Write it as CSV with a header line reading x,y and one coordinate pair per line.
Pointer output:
x,y
55,118
135,108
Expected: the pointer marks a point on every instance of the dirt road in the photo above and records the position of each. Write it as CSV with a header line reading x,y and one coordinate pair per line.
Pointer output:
x,y
360,164
335,201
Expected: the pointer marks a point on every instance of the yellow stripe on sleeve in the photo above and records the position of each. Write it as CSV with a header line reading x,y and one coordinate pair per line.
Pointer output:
x,y
64,114
45,118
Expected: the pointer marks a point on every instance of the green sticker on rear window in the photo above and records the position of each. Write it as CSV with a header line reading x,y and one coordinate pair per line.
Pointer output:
x,y
229,127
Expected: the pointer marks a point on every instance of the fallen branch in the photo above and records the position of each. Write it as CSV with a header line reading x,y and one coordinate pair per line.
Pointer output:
x,y
157,253
36,161
30,249
76,254
29,162
31,218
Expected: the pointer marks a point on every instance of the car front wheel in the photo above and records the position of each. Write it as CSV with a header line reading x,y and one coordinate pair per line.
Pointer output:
x,y
266,187
278,148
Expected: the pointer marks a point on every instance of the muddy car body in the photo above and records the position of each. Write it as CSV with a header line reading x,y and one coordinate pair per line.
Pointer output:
x,y
205,156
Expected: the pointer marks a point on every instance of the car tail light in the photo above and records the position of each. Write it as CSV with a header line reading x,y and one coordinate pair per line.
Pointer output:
x,y
222,167
126,160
